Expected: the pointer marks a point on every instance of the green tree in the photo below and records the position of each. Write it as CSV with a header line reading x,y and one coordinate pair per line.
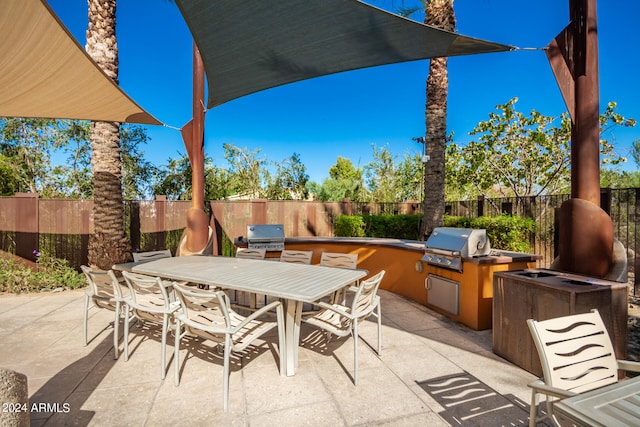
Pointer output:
x,y
247,171
345,181
289,181
27,144
635,152
522,156
409,173
381,176
9,178
138,174
174,179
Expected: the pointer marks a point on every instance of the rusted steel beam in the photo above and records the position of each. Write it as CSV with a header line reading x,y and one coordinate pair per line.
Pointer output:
x,y
585,230
197,231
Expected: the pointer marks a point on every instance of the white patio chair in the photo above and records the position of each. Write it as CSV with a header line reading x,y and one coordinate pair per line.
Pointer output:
x,y
294,256
576,355
151,255
208,315
104,291
340,260
149,300
249,253
343,320
335,259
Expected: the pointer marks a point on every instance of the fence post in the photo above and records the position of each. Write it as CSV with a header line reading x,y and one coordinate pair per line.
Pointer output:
x,y
27,225
480,206
161,222
134,224
605,200
346,206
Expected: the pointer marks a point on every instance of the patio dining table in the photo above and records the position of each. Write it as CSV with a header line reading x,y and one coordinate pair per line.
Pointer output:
x,y
294,284
611,406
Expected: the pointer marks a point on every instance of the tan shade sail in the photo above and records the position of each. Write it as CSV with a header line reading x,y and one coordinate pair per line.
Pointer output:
x,y
45,73
251,45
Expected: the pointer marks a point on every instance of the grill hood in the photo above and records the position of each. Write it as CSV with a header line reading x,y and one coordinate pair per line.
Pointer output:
x,y
459,242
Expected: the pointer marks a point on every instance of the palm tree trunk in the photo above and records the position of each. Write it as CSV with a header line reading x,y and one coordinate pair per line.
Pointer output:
x,y
438,13
109,243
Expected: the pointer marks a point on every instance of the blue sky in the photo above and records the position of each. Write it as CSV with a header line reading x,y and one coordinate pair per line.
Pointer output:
x,y
343,114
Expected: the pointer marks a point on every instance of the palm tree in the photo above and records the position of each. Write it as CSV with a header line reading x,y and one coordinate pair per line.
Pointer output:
x,y
438,13
108,244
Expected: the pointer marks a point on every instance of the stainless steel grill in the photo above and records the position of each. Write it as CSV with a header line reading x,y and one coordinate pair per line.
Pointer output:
x,y
446,247
265,236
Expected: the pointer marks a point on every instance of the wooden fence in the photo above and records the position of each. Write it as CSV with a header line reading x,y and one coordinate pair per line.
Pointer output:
x,y
61,227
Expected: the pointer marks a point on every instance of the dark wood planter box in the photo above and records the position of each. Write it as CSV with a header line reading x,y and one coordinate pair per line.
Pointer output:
x,y
546,294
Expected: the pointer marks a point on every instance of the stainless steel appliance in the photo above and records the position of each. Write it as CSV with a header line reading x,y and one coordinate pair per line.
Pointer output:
x,y
446,247
265,236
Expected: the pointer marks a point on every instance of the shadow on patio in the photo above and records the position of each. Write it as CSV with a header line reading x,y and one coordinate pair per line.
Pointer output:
x,y
432,371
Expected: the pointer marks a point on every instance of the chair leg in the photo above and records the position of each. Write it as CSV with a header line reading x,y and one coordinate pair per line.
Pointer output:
x,y
176,354
355,352
379,328
533,411
281,342
225,380
163,354
116,324
85,319
126,334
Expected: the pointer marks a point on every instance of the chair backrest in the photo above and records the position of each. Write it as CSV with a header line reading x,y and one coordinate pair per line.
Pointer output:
x,y
203,310
575,352
147,293
334,259
103,285
250,253
366,294
299,257
151,255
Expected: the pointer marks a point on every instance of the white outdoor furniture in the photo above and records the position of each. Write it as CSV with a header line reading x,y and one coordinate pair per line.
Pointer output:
x,y
336,259
293,283
208,315
300,257
340,260
343,320
611,406
577,356
249,253
151,255
104,291
149,300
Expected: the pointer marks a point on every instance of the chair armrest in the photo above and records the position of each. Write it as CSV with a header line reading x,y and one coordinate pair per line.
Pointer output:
x,y
256,314
335,308
541,387
628,365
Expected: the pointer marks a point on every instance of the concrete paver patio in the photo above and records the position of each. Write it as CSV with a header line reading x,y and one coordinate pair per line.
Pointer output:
x,y
432,371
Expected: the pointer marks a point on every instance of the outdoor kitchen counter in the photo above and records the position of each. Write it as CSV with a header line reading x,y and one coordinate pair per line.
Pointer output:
x,y
406,272
503,257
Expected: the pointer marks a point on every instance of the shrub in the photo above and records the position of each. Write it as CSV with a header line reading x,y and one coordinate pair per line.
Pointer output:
x,y
509,233
51,273
384,226
349,226
393,226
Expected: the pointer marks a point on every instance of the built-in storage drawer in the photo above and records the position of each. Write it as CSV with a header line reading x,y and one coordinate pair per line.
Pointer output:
x,y
443,293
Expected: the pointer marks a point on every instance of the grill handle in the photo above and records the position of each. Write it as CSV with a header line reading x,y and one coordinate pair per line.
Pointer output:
x,y
444,252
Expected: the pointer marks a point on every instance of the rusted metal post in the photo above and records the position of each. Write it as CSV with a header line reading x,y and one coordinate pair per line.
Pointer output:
x,y
197,231
585,132
585,240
